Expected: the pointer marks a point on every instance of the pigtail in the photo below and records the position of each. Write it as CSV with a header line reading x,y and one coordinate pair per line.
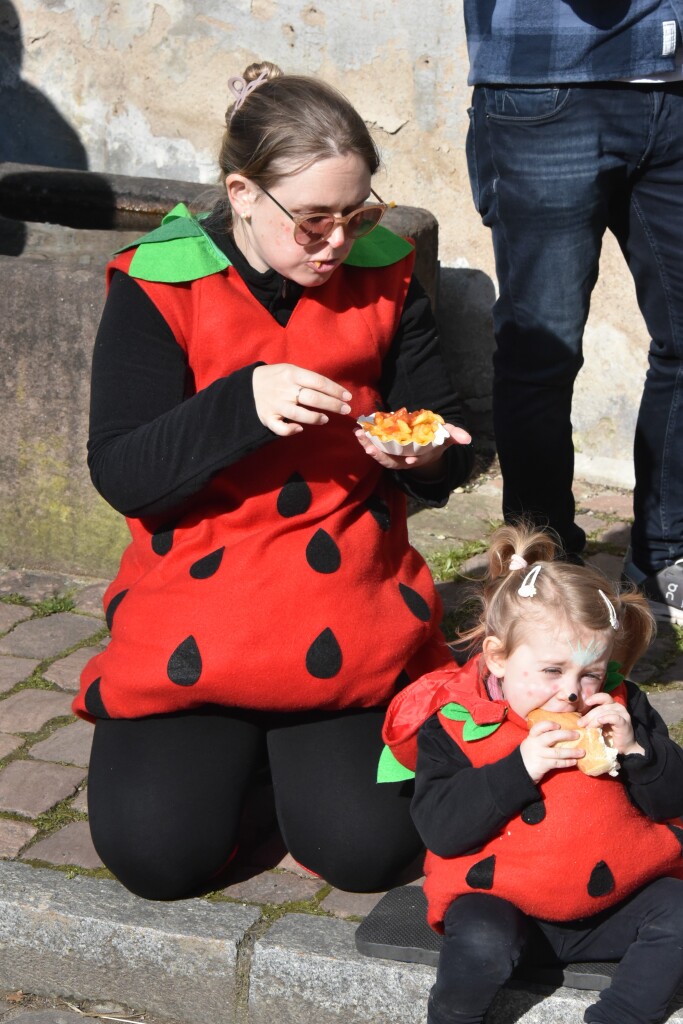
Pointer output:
x,y
512,550
520,543
637,628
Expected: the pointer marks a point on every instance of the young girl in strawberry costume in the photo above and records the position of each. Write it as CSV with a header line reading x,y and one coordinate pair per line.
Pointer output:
x,y
527,855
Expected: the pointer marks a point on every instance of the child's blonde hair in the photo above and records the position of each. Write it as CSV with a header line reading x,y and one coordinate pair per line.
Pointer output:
x,y
567,592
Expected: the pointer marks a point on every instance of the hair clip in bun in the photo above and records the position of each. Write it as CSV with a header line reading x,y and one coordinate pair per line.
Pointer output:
x,y
240,88
613,620
517,562
527,588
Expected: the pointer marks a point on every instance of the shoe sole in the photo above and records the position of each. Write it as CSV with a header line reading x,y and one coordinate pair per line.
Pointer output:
x,y
666,612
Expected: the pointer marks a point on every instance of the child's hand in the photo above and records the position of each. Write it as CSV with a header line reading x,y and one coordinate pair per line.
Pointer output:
x,y
539,752
614,720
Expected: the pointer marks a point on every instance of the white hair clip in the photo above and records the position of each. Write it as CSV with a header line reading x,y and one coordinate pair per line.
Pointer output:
x,y
613,620
517,562
527,588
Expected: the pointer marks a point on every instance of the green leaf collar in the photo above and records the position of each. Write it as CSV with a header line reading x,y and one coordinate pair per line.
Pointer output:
x,y
471,731
181,250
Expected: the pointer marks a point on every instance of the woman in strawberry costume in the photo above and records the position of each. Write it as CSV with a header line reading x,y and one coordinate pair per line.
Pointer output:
x,y
268,534
527,855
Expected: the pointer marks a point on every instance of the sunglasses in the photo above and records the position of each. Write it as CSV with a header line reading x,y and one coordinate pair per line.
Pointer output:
x,y
316,227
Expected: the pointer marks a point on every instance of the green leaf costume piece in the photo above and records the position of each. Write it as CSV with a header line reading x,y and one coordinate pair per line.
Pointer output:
x,y
471,731
389,769
380,248
181,250
613,677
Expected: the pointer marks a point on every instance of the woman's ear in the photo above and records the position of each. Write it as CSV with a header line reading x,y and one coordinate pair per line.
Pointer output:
x,y
242,194
492,649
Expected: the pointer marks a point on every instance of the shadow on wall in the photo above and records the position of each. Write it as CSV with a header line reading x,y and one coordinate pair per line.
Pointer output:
x,y
466,297
32,131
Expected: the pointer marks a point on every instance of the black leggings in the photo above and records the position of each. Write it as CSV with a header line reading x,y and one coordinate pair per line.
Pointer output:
x,y
486,937
166,795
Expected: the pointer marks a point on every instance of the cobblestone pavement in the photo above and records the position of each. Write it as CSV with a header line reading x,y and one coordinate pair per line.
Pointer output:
x,y
24,1008
51,624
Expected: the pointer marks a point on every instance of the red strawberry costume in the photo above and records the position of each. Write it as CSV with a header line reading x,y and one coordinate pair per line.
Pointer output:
x,y
260,591
563,849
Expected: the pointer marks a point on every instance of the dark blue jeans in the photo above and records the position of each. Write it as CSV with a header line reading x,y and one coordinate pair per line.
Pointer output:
x,y
486,937
551,169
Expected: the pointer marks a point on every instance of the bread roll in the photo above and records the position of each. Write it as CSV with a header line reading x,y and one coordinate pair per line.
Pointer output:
x,y
600,758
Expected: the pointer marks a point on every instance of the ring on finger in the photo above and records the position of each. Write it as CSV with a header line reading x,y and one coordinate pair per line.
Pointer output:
x,y
296,397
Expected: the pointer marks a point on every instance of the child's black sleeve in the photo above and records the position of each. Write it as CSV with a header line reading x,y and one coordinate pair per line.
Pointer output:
x,y
456,807
654,781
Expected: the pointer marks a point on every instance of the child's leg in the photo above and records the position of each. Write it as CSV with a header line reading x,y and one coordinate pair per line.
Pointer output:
x,y
645,932
483,942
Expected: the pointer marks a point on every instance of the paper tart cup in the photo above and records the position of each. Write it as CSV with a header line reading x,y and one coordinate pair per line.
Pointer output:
x,y
410,447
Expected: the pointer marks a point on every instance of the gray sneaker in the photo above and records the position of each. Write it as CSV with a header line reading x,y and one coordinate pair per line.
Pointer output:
x,y
664,592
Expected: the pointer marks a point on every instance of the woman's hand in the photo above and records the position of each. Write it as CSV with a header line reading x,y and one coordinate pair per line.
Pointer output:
x,y
288,396
427,463
614,720
540,754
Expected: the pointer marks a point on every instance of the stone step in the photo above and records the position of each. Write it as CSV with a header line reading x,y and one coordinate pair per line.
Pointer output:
x,y
219,963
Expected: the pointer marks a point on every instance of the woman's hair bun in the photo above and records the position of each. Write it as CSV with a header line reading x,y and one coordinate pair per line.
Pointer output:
x,y
252,72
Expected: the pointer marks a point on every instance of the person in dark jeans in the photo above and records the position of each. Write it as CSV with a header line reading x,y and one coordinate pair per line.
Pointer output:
x,y
576,126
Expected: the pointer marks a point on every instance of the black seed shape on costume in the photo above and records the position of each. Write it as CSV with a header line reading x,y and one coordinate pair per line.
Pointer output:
x,y
379,510
322,554
324,656
113,605
415,602
208,565
185,664
480,875
401,681
534,813
678,832
295,497
94,704
601,881
162,539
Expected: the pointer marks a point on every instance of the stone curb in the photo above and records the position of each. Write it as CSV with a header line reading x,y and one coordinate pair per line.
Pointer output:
x,y
218,963
93,940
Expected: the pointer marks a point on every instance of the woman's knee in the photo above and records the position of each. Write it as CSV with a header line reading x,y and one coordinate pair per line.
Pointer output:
x,y
354,870
161,860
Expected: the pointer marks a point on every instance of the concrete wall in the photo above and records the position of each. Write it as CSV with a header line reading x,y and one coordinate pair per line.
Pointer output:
x,y
141,88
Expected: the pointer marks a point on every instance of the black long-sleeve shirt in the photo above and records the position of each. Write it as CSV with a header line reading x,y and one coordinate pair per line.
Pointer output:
x,y
154,443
